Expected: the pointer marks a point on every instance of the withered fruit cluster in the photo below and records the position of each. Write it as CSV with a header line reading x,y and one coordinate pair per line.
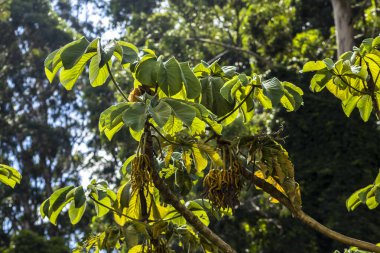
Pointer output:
x,y
222,185
140,176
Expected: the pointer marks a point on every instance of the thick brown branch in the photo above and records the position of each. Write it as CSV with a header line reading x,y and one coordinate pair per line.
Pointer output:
x,y
299,214
173,199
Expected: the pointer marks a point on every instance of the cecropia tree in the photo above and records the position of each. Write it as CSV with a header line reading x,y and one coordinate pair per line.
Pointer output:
x,y
177,114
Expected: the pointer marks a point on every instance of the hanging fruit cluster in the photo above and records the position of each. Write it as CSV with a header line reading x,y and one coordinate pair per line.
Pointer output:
x,y
222,185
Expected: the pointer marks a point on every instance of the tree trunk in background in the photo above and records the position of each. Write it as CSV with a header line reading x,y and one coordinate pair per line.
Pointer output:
x,y
343,25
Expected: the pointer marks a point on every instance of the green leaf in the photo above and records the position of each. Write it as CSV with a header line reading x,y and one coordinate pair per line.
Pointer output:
x,y
354,200
68,77
59,197
201,70
57,201
98,73
288,101
319,81
126,164
124,195
337,91
192,83
130,53
377,180
215,68
79,197
135,116
359,71
76,212
117,51
211,152
100,209
160,113
198,211
169,77
53,63
173,126
372,203
349,104
146,70
225,91
183,111
212,99
365,107
98,76
296,92
111,120
273,90
264,100
229,71
329,63
373,62
9,175
313,66
377,194
44,208
137,249
73,51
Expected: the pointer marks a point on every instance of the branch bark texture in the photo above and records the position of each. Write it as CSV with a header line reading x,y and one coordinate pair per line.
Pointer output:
x,y
172,199
302,216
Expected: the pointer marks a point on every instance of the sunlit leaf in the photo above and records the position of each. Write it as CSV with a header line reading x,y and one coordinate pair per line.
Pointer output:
x,y
9,175
192,83
146,70
76,212
349,104
313,66
173,126
130,53
160,113
211,97
135,116
365,107
183,111
169,77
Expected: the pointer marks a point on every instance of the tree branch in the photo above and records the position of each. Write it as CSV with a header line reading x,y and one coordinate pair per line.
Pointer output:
x,y
302,216
231,47
173,199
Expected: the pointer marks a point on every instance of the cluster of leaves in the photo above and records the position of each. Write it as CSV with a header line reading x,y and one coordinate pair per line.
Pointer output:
x,y
354,78
9,176
369,195
163,224
186,107
275,166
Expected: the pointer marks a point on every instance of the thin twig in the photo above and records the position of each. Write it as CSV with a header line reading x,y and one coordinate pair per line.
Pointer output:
x,y
111,209
160,134
231,47
115,83
361,92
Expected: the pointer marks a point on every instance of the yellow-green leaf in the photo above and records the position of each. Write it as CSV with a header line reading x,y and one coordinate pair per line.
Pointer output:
x,y
365,107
